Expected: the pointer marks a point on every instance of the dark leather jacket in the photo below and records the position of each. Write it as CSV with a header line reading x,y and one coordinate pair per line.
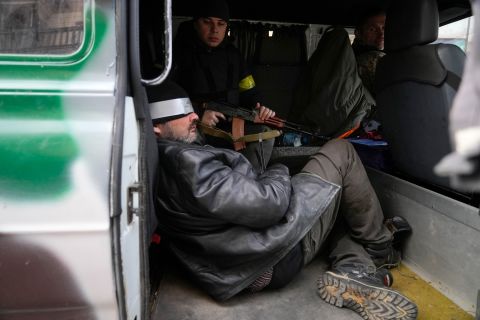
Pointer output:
x,y
227,224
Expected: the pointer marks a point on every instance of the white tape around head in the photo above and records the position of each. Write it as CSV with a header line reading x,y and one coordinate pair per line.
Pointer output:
x,y
169,108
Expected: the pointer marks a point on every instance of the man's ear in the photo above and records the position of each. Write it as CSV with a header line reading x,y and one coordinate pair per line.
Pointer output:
x,y
156,129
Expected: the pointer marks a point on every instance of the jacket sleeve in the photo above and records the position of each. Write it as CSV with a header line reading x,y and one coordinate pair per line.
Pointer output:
x,y
248,92
223,186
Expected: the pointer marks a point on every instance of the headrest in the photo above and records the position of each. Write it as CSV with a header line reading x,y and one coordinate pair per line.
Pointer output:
x,y
286,47
410,23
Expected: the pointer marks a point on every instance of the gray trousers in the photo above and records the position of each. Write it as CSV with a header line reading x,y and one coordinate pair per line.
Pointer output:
x,y
258,153
357,211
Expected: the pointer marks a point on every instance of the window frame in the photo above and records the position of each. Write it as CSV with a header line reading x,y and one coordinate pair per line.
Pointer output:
x,y
80,53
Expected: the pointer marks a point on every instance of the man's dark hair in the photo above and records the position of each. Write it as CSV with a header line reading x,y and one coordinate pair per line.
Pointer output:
x,y
211,8
370,12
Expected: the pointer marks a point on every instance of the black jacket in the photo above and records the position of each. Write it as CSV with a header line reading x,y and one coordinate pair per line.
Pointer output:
x,y
227,224
209,74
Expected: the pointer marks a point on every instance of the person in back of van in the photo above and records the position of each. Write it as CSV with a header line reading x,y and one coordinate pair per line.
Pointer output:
x,y
368,45
210,68
236,230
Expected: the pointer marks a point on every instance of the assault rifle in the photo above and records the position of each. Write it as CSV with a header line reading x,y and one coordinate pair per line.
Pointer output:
x,y
239,115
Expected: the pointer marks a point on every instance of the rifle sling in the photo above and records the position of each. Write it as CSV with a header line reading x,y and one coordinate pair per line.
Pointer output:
x,y
254,137
238,130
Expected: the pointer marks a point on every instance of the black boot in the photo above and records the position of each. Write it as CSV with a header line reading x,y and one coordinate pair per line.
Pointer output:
x,y
400,228
384,255
389,254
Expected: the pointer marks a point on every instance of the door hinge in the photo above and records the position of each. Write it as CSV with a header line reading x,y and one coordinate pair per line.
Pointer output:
x,y
133,201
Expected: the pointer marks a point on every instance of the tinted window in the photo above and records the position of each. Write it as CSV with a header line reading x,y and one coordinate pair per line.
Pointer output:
x,y
41,26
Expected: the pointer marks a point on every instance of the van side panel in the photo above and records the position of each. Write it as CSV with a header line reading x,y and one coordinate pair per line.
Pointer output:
x,y
56,121
444,247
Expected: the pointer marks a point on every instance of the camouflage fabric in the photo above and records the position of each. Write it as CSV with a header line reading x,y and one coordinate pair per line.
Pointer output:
x,y
367,65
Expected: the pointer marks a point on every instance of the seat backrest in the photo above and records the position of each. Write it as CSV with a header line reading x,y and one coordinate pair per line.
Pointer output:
x,y
277,65
415,83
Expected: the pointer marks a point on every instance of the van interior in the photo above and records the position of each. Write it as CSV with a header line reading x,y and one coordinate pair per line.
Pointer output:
x,y
416,84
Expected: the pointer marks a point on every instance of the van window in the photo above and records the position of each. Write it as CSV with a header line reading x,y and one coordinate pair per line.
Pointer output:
x,y
458,33
40,27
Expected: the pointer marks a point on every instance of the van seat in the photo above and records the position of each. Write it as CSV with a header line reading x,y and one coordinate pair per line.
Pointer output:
x,y
416,83
278,62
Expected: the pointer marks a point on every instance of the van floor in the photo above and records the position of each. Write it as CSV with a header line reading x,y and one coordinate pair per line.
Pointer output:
x,y
177,298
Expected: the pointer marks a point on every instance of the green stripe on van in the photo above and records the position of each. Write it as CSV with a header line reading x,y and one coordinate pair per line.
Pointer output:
x,y
36,166
36,161
30,107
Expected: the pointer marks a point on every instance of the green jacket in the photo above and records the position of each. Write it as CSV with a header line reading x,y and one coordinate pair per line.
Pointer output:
x,y
330,96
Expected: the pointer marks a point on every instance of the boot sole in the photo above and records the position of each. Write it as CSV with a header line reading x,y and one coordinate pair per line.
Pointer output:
x,y
370,302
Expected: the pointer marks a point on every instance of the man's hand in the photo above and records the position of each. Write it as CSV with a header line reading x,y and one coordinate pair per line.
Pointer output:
x,y
264,113
211,118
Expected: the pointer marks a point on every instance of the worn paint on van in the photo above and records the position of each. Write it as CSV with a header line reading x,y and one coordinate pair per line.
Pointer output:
x,y
56,123
36,140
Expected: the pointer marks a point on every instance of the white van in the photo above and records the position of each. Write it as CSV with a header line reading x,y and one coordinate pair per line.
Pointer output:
x,y
78,160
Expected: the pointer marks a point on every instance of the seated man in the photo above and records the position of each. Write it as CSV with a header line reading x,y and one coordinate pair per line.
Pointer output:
x,y
368,46
210,68
234,229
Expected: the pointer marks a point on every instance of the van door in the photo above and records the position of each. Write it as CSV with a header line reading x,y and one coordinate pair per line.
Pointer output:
x,y
69,241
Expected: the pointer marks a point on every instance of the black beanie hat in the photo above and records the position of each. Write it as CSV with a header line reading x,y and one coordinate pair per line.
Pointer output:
x,y
212,8
168,101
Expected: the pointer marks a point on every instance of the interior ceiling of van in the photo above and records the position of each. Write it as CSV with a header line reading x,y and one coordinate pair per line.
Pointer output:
x,y
339,12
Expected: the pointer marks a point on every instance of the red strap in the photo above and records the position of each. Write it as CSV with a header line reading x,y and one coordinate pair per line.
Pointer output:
x,y
156,238
349,132
238,130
